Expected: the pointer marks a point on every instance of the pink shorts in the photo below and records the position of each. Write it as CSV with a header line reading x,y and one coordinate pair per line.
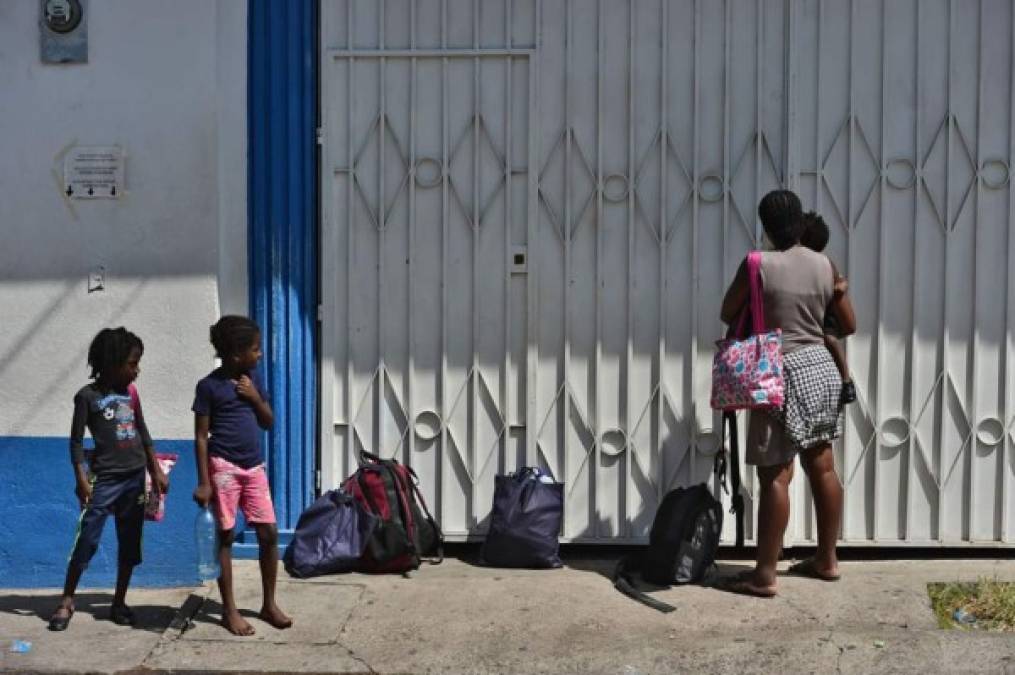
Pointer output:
x,y
235,487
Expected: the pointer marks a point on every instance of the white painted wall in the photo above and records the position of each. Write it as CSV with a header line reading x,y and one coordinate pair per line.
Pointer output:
x,y
167,82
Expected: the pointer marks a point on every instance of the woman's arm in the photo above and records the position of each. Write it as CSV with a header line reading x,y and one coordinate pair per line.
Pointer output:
x,y
736,295
841,306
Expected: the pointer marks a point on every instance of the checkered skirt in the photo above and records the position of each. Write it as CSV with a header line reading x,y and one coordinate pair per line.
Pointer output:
x,y
812,413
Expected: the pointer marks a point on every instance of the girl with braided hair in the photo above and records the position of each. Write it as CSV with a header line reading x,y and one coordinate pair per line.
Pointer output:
x,y
110,481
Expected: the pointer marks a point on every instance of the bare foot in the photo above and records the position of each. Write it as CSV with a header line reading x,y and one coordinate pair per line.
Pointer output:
x,y
236,624
746,583
275,617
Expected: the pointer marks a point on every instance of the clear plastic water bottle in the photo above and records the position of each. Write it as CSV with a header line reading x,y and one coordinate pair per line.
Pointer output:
x,y
206,539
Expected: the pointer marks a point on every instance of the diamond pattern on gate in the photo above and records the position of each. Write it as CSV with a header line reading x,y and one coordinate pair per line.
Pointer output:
x,y
495,419
590,437
476,126
861,412
390,405
662,143
938,149
580,421
586,187
396,411
941,471
866,164
378,213
937,193
644,169
758,141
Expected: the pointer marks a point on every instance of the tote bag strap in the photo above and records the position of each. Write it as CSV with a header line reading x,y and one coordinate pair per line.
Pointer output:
x,y
755,302
756,299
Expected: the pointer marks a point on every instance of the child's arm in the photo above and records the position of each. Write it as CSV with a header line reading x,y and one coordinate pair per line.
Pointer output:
x,y
841,306
82,487
202,493
831,324
159,480
246,389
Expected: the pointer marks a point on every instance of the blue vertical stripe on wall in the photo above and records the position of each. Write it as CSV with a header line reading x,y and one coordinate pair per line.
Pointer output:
x,y
282,104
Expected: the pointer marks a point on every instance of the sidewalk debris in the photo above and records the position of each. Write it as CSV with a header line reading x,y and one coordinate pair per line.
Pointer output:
x,y
962,616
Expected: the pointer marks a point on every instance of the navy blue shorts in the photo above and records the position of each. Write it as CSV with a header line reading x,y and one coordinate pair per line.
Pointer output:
x,y
123,496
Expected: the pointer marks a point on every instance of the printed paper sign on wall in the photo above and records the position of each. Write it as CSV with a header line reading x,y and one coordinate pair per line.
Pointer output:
x,y
93,172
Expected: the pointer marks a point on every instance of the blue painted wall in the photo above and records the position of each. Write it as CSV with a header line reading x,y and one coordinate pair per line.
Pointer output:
x,y
38,519
282,242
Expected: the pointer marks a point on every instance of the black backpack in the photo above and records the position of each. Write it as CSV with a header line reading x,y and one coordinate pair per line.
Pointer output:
x,y
685,534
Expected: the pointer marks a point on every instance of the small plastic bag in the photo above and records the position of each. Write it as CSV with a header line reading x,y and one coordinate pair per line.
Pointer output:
x,y
155,504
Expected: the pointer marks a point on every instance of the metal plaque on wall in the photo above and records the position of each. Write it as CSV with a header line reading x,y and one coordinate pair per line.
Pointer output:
x,y
63,31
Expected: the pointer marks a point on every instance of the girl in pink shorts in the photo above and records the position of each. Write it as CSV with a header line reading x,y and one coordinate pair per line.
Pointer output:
x,y
230,410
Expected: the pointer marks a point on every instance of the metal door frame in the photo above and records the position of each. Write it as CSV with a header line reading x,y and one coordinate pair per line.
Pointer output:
x,y
334,461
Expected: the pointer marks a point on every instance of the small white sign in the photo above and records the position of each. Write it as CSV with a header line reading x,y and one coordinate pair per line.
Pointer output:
x,y
93,172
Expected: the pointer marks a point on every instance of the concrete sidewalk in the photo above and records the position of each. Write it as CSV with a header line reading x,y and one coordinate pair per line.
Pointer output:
x,y
460,618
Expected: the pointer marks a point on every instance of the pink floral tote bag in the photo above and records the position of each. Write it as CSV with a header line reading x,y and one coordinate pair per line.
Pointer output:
x,y
747,371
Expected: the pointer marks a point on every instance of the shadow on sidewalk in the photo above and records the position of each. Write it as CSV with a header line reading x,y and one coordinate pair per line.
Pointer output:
x,y
152,618
606,567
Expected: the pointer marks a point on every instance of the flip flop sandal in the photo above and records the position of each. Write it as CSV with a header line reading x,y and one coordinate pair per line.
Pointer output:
x,y
741,585
58,623
806,568
121,616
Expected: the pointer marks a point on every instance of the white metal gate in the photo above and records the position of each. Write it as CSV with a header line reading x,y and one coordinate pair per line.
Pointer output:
x,y
531,209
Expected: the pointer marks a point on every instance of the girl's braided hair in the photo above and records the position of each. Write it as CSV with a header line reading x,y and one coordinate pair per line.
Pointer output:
x,y
782,217
111,348
232,334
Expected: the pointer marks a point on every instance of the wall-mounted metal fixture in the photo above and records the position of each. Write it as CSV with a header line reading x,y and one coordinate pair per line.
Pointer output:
x,y
63,31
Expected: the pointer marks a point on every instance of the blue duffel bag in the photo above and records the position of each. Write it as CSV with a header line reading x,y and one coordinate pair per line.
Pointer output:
x,y
528,507
330,536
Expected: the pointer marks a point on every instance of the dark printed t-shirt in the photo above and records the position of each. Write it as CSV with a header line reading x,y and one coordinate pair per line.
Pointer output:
x,y
117,426
234,434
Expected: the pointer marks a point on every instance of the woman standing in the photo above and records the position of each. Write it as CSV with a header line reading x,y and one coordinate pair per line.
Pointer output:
x,y
799,287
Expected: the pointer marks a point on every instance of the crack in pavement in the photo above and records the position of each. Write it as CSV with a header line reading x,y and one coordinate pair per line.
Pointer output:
x,y
830,638
192,606
348,618
842,651
180,623
357,659
803,610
